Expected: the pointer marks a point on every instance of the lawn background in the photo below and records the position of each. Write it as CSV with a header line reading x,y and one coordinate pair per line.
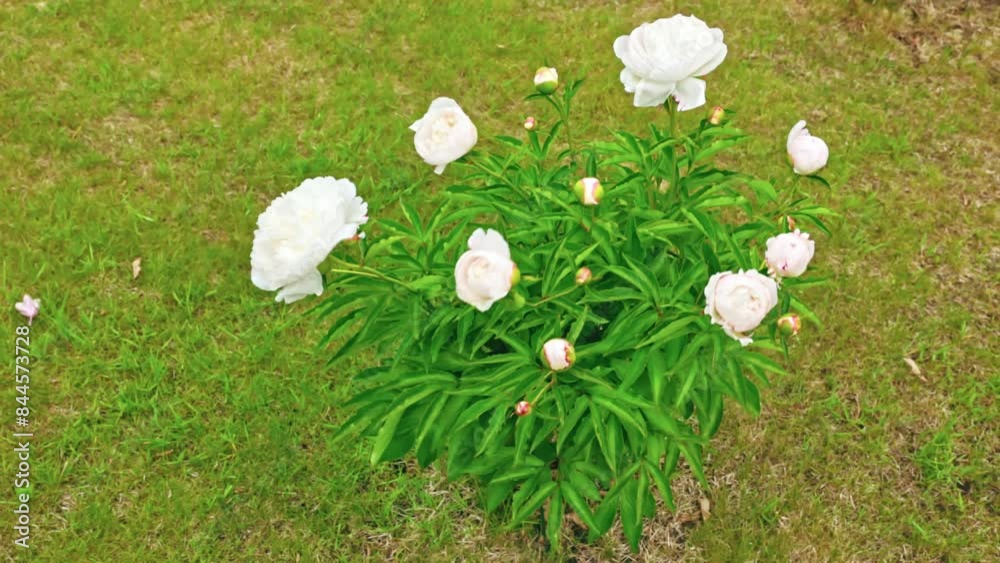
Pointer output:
x,y
184,415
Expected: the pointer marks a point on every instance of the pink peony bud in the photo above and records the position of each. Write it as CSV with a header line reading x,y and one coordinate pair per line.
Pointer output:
x,y
559,354
583,275
546,80
789,222
529,123
589,190
28,307
716,116
789,325
523,408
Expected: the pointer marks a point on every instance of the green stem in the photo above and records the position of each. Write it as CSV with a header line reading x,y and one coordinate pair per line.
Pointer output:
x,y
671,106
551,297
552,382
367,272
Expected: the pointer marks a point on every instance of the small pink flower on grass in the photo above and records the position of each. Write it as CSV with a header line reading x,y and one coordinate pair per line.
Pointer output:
x,y
28,307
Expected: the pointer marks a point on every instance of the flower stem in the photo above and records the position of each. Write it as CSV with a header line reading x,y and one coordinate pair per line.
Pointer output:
x,y
367,272
671,106
551,297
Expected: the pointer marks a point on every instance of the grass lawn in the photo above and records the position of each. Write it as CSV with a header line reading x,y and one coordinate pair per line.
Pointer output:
x,y
184,415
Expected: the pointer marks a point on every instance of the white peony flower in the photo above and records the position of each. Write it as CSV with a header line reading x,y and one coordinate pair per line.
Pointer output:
x,y
444,134
738,302
788,254
663,58
559,354
485,273
808,154
297,232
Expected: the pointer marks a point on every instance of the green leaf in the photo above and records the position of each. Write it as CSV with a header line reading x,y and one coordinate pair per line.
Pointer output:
x,y
672,330
631,512
571,421
496,493
388,430
579,506
692,453
553,525
663,484
534,503
624,415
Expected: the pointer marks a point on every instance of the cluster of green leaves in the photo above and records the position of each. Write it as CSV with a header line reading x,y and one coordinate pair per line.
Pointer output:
x,y
651,372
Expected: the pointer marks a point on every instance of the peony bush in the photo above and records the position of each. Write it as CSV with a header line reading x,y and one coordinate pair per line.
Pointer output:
x,y
568,322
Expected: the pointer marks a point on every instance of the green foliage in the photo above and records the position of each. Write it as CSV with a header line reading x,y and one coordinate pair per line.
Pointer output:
x,y
651,372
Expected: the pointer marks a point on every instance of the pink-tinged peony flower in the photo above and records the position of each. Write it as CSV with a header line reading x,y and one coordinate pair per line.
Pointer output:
x,y
444,134
28,307
663,58
485,273
546,80
522,408
807,153
738,302
788,254
789,325
589,190
559,354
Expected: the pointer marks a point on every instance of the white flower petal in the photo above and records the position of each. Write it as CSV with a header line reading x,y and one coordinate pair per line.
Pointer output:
x,y
310,284
651,94
489,241
690,94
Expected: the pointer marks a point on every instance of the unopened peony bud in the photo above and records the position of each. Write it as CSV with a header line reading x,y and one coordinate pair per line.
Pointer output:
x,y
583,275
789,222
807,153
515,276
546,80
523,408
559,354
529,123
716,116
789,325
519,301
589,190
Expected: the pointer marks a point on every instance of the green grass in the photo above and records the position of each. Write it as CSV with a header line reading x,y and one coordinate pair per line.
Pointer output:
x,y
186,416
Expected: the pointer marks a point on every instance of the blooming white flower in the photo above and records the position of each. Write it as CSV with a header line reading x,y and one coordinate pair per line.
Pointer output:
x,y
663,58
738,302
297,232
808,154
444,134
788,254
546,80
485,273
559,354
